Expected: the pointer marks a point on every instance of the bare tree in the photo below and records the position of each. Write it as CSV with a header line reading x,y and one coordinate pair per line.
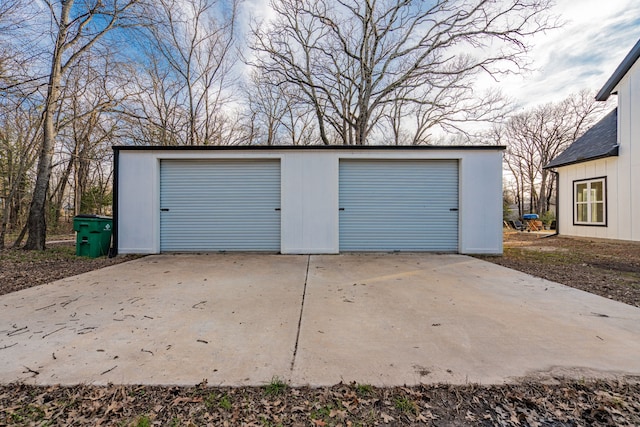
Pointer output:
x,y
13,71
77,28
420,123
8,12
20,120
92,92
537,136
156,113
267,107
354,60
299,121
19,134
276,114
192,42
522,162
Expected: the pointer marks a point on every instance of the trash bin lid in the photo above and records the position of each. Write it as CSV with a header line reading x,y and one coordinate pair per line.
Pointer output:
x,y
92,216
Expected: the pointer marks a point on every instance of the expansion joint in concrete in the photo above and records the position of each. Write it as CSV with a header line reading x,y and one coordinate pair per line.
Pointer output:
x,y
304,293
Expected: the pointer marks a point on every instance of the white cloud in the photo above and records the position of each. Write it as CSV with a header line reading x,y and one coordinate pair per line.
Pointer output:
x,y
581,55
254,11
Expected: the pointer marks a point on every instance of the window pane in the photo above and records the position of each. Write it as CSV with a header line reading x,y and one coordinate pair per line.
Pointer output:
x,y
581,213
597,212
590,201
581,192
597,191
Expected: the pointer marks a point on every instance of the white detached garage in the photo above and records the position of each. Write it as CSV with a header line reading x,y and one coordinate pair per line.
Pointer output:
x,y
300,200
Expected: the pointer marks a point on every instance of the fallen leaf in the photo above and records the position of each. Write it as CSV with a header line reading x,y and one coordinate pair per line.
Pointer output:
x,y
337,413
386,417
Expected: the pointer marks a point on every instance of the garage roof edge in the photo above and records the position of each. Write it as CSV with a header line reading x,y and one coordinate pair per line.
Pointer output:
x,y
305,147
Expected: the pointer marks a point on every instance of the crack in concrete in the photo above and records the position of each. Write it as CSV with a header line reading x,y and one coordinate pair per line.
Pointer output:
x,y
304,293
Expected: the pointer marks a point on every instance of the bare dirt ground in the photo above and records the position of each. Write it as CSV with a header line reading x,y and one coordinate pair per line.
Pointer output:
x,y
21,269
608,269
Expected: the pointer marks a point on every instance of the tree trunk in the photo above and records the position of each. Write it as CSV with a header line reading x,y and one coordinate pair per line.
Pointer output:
x,y
77,187
6,214
3,226
82,173
323,132
36,222
361,129
522,196
57,198
542,199
20,237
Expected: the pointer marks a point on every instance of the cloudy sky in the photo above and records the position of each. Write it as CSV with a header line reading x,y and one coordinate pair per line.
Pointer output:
x,y
582,54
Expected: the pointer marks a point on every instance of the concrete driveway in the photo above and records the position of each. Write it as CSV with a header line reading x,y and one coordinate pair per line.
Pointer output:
x,y
380,319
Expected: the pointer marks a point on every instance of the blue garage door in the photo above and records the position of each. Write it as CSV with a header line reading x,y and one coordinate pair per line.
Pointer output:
x,y
402,205
219,205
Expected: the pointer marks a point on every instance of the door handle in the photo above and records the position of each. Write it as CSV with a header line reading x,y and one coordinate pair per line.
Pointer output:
x,y
277,209
453,210
340,209
164,209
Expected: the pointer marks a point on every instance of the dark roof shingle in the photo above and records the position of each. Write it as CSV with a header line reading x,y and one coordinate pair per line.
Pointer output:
x,y
598,142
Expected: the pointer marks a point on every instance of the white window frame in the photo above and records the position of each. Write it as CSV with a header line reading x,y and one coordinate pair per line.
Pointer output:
x,y
589,202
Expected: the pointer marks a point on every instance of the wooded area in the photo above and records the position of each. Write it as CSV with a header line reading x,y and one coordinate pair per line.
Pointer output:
x,y
77,77
534,138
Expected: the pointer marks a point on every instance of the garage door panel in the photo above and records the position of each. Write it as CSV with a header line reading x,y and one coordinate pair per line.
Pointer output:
x,y
399,205
220,205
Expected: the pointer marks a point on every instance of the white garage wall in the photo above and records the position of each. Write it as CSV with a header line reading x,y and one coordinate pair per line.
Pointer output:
x,y
310,194
481,203
138,203
309,202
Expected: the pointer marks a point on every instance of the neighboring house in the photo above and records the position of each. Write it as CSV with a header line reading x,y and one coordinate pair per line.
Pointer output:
x,y
599,174
302,200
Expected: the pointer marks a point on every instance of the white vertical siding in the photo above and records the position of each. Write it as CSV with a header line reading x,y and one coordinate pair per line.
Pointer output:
x,y
622,172
138,201
309,203
633,93
607,167
481,203
624,160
